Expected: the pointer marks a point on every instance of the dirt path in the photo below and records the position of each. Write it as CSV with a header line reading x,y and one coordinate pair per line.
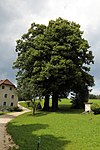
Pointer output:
x,y
6,143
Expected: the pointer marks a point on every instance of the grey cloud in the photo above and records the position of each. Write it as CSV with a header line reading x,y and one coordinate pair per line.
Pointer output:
x,y
8,11
14,16
12,9
93,37
7,56
36,6
95,70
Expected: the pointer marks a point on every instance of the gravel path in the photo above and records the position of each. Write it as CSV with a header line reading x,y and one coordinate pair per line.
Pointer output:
x,y
6,143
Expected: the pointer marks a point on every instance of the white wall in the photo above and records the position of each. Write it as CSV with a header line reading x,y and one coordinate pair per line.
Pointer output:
x,y
9,98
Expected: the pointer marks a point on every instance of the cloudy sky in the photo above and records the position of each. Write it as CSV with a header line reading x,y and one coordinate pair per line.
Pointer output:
x,y
16,17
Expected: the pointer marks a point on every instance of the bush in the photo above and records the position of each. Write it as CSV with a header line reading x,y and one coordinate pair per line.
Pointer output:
x,y
16,109
95,108
1,113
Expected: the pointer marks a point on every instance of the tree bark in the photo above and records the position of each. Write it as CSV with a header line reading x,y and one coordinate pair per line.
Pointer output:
x,y
55,101
46,103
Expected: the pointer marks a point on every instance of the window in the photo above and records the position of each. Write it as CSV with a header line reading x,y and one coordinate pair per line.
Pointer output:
x,y
4,103
10,88
11,104
12,96
5,95
3,87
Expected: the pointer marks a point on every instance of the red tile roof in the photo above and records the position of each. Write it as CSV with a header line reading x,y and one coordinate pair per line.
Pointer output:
x,y
6,82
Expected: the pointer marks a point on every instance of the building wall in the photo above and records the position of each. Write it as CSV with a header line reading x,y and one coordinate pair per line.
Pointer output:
x,y
8,94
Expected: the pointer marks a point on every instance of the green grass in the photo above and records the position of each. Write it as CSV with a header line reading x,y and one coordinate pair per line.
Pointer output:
x,y
24,104
63,104
95,101
62,130
2,113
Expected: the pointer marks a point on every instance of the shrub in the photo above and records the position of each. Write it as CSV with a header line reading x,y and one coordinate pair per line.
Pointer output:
x,y
1,113
95,108
17,109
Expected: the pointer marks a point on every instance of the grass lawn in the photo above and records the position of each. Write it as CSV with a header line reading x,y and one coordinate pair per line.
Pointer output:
x,y
95,101
63,130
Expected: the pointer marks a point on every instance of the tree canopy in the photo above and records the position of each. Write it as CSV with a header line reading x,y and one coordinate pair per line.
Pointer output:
x,y
54,60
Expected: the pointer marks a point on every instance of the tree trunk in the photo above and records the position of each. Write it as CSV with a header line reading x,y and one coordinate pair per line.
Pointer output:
x,y
46,103
55,101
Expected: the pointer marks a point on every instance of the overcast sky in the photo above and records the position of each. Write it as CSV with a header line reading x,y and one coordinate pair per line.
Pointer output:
x,y
16,17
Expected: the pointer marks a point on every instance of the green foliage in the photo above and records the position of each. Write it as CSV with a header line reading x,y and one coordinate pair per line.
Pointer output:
x,y
29,104
95,108
80,97
52,60
95,105
16,109
93,96
2,113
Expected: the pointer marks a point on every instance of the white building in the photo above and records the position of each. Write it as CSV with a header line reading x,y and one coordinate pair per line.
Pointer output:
x,y
8,94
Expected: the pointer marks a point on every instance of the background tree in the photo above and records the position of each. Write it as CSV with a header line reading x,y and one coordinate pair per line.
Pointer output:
x,y
55,58
93,96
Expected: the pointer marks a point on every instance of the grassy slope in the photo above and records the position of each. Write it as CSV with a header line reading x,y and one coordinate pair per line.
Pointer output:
x,y
69,130
24,104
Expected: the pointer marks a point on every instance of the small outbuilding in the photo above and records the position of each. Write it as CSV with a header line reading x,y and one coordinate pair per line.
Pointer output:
x,y
88,107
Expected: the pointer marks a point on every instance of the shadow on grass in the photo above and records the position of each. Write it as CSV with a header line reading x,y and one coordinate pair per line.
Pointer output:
x,y
66,109
39,113
27,138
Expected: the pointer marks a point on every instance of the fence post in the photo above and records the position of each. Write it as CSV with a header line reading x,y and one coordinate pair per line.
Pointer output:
x,y
38,144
